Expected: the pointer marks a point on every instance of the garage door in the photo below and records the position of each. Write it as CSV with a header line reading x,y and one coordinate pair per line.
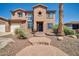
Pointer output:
x,y
13,27
2,28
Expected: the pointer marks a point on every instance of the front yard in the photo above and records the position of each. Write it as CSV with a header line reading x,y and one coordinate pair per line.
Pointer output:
x,y
68,45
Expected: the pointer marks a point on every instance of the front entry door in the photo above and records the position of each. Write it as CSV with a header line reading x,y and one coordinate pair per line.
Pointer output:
x,y
40,26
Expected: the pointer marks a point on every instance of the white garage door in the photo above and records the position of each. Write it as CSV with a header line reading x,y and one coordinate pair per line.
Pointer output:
x,y
13,27
2,28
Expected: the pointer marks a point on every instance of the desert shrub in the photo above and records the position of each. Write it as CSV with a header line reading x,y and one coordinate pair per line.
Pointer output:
x,y
20,33
67,30
55,28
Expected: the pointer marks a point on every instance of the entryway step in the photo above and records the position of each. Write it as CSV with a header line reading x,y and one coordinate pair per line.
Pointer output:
x,y
40,34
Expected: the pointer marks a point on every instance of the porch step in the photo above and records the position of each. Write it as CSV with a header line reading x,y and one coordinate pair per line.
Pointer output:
x,y
39,34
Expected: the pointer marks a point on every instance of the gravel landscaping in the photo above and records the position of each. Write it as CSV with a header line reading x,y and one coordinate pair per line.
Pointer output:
x,y
12,48
68,45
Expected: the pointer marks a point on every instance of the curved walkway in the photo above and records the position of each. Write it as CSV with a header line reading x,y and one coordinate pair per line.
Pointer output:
x,y
40,49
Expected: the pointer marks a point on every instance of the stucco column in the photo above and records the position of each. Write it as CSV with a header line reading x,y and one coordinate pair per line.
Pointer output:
x,y
44,27
35,26
24,25
7,27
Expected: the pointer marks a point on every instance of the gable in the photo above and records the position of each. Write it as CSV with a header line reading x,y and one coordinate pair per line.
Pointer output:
x,y
40,5
3,20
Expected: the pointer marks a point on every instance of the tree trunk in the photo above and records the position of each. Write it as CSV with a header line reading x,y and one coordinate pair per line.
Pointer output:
x,y
61,25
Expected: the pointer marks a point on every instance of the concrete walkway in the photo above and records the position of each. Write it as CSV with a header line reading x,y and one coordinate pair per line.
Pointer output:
x,y
40,49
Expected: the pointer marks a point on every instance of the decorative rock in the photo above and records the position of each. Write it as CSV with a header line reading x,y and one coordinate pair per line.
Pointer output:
x,y
73,36
60,38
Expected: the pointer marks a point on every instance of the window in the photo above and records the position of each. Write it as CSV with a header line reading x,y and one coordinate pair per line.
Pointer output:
x,y
75,26
20,14
50,25
30,24
30,15
50,16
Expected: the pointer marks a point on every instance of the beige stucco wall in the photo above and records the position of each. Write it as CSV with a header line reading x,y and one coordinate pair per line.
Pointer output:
x,y
6,25
43,18
40,19
22,25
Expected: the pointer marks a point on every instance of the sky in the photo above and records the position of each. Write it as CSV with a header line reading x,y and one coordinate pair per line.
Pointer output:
x,y
70,13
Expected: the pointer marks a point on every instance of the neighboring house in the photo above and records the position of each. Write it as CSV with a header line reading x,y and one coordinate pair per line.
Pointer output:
x,y
39,19
73,24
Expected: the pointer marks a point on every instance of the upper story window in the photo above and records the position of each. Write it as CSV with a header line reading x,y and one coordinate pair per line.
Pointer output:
x,y
20,14
50,16
30,17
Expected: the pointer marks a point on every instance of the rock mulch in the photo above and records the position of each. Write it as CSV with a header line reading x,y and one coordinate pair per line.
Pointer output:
x,y
68,45
12,48
5,41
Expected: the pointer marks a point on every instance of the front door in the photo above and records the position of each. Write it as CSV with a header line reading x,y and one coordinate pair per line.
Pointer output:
x,y
39,26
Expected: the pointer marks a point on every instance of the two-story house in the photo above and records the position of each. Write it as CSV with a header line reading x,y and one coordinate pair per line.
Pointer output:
x,y
39,19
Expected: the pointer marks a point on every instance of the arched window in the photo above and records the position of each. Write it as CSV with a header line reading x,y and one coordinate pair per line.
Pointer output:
x,y
20,14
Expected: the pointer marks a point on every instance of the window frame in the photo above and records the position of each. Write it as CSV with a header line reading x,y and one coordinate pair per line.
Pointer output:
x,y
50,25
20,14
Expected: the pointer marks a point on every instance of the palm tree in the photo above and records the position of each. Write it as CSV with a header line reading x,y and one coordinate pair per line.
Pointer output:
x,y
61,25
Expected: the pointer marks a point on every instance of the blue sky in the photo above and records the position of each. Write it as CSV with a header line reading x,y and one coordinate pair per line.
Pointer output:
x,y
71,10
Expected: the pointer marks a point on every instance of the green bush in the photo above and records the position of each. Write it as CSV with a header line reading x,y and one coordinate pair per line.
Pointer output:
x,y
55,28
67,30
20,33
